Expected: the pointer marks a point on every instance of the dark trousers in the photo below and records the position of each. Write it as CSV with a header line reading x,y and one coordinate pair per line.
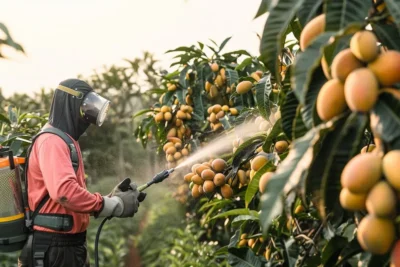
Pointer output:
x,y
61,250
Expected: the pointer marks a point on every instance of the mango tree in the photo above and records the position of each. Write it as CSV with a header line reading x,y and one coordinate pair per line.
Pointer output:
x,y
315,183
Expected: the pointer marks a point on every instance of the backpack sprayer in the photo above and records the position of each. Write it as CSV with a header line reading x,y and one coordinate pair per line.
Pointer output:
x,y
124,186
13,229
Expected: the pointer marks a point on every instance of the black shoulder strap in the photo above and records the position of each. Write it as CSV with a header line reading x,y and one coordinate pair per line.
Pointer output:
x,y
74,160
70,143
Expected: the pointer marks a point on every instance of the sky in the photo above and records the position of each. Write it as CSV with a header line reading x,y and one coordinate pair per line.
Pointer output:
x,y
65,38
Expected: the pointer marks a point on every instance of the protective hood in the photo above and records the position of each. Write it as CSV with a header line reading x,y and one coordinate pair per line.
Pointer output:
x,y
65,109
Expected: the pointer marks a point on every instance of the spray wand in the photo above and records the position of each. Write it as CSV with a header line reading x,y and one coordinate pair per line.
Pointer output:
x,y
158,178
124,186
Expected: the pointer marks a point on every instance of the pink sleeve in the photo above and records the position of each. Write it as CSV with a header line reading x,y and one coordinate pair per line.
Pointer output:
x,y
60,178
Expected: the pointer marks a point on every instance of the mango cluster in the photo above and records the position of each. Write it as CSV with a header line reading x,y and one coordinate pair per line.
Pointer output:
x,y
371,183
218,85
217,112
176,126
207,177
249,242
358,75
175,151
257,244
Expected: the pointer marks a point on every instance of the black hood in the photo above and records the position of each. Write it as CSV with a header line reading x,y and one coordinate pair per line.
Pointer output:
x,y
65,109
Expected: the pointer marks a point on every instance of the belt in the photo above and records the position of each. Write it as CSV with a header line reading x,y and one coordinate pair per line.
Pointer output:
x,y
56,222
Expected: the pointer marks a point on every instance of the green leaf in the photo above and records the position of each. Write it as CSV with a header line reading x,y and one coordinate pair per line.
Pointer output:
x,y
289,172
263,89
141,112
340,14
183,49
232,76
167,99
299,129
180,94
308,11
215,202
237,53
308,111
22,116
388,34
222,251
4,119
182,77
201,45
296,29
275,27
291,251
143,130
253,186
12,115
246,62
15,147
213,49
171,75
235,238
198,102
245,150
305,65
213,42
369,260
331,251
351,249
244,218
9,41
223,44
276,130
236,212
288,113
385,119
263,8
244,257
346,144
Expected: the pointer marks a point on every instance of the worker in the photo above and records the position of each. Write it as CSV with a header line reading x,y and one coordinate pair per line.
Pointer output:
x,y
56,190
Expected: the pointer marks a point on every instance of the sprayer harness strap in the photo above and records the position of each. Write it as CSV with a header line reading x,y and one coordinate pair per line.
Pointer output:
x,y
58,222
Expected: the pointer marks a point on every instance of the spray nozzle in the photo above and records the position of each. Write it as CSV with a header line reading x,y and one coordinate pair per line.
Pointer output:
x,y
158,178
162,176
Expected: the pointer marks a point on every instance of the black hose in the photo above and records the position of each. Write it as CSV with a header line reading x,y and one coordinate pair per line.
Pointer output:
x,y
156,179
96,242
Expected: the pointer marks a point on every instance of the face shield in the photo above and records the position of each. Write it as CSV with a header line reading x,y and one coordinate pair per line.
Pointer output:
x,y
94,107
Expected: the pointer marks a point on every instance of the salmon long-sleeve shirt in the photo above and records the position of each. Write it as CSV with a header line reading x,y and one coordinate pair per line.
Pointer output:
x,y
50,171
